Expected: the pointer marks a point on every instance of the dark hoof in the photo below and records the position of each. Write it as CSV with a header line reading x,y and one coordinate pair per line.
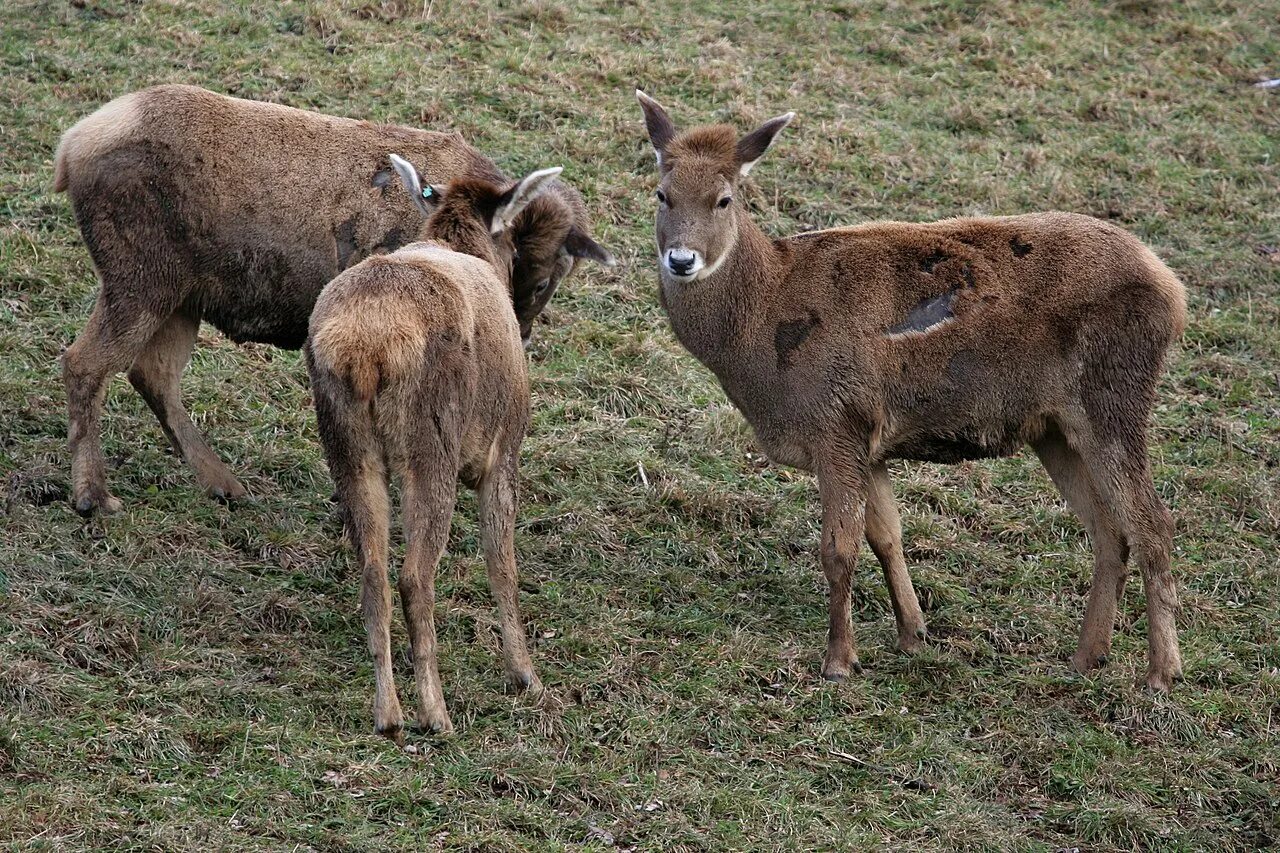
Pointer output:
x,y
855,668
1162,682
436,727
394,733
524,682
104,504
228,495
1085,664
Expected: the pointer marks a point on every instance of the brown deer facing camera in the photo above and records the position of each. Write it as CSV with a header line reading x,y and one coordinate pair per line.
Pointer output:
x,y
954,340
417,368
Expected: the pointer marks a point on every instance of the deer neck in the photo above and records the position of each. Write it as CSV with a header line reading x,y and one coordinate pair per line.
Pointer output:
x,y
469,239
716,317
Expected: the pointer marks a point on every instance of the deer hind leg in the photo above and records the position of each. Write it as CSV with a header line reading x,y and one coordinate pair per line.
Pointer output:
x,y
843,491
429,493
1121,474
112,339
498,516
359,472
1110,552
132,236
884,535
156,374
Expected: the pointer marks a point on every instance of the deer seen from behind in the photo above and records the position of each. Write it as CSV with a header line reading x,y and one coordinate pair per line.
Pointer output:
x,y
418,371
948,341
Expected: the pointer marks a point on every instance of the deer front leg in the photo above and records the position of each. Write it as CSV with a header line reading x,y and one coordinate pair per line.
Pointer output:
x,y
842,487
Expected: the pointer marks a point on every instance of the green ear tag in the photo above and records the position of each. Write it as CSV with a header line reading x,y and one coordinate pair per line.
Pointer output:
x,y
426,192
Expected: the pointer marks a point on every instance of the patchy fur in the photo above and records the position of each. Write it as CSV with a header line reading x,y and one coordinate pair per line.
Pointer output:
x,y
961,339
195,206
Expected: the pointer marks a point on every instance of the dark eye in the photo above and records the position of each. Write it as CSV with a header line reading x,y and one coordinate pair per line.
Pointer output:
x,y
724,202
542,286
662,197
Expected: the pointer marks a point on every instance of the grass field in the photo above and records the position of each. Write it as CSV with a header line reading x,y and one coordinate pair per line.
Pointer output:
x,y
188,675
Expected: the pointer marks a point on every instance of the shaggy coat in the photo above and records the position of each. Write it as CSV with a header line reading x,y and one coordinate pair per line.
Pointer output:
x,y
196,206
418,371
961,339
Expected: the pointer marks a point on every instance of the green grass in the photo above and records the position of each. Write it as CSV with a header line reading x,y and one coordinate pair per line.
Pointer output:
x,y
190,676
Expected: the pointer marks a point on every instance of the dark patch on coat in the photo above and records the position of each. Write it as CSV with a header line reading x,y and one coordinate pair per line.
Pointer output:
x,y
927,314
790,335
344,236
931,260
127,199
966,369
392,240
949,449
970,280
1019,248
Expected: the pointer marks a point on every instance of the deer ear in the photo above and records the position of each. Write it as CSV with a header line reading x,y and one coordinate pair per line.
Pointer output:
x,y
517,198
660,126
425,197
579,245
752,146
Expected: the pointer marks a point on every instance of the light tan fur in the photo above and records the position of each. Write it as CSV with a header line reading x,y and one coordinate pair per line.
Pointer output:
x,y
418,371
92,135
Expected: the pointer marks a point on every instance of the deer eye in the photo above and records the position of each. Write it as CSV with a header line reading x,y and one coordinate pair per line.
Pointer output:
x,y
662,197
724,202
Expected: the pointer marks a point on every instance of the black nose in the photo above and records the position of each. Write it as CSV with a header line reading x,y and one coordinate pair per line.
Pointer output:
x,y
680,266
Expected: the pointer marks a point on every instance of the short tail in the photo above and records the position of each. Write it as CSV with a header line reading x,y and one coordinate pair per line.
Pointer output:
x,y
93,135
61,172
369,357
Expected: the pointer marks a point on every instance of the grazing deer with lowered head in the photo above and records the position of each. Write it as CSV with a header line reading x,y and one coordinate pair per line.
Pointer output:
x,y
417,368
954,340
196,206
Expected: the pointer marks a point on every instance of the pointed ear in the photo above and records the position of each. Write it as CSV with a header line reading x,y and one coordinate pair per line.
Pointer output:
x,y
579,245
515,199
752,146
660,126
425,197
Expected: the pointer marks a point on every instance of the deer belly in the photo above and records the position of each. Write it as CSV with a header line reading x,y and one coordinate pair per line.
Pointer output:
x,y
952,448
264,295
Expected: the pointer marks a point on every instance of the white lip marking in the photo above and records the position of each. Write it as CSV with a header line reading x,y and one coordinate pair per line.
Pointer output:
x,y
683,254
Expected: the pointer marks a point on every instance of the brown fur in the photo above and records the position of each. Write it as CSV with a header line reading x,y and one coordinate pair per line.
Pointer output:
x,y
197,206
960,339
418,371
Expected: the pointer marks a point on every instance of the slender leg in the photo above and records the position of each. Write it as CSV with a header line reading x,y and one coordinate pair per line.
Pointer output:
x,y
1121,473
497,518
156,374
428,506
1151,534
356,463
842,487
109,343
1110,553
368,507
884,535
